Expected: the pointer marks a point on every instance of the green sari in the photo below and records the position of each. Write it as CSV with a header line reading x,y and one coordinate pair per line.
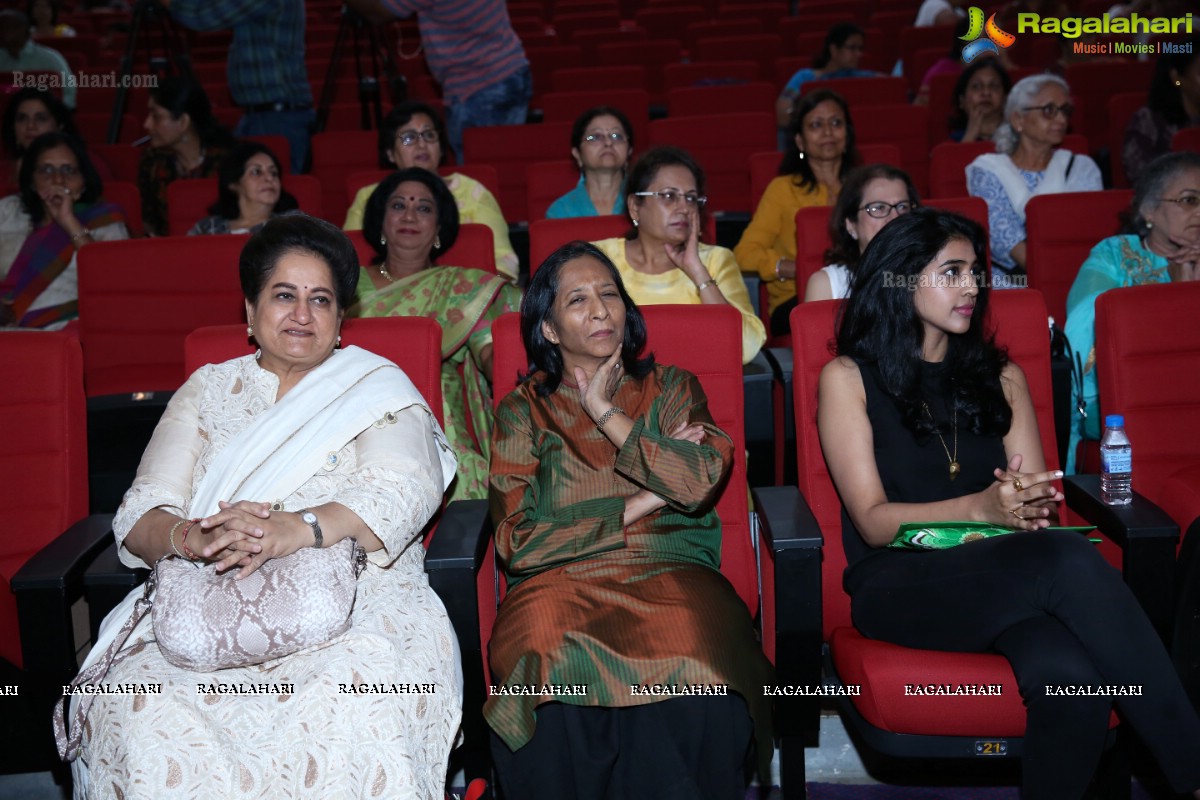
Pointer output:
x,y
464,302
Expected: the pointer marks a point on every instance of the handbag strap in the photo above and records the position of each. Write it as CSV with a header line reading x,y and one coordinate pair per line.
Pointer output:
x,y
68,745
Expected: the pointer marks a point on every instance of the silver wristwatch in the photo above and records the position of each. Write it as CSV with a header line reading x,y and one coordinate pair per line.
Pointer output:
x,y
310,519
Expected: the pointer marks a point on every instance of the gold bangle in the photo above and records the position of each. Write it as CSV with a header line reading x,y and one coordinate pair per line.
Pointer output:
x,y
702,286
171,537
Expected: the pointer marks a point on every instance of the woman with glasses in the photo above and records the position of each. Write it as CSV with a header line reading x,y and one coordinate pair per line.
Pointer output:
x,y
57,212
1027,162
820,156
601,144
871,197
413,135
1160,244
661,260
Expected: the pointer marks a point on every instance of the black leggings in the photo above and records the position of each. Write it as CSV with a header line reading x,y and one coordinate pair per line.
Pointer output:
x,y
686,748
1061,615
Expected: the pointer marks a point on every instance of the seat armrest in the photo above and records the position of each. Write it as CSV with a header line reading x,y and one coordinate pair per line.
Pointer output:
x,y
1147,536
461,538
46,587
452,561
105,584
63,560
787,521
794,541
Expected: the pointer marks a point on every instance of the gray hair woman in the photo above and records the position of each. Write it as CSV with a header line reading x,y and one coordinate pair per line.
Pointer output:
x,y
1028,161
1161,244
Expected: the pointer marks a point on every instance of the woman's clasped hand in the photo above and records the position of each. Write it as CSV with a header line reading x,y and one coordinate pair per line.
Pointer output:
x,y
1022,500
245,534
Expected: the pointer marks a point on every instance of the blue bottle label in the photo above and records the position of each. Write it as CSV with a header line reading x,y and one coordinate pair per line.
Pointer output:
x,y
1116,461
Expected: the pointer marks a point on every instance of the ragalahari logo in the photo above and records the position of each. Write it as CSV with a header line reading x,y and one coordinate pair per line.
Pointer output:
x,y
996,40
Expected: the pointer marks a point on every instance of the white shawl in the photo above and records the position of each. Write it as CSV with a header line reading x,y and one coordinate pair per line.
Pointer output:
x,y
287,445
1054,179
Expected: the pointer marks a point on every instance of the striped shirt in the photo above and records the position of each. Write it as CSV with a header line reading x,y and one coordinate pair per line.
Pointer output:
x,y
266,57
469,44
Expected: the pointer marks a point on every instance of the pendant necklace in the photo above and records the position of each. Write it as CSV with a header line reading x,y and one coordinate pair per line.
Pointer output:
x,y
955,468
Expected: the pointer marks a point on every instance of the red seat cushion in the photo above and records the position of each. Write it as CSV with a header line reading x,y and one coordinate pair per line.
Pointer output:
x,y
1179,496
10,631
883,670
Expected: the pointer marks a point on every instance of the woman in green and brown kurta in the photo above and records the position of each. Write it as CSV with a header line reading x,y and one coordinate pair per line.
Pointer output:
x,y
410,219
605,469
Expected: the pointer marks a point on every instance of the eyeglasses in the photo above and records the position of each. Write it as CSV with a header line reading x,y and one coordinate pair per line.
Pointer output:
x,y
409,138
668,197
883,210
1189,202
1050,111
49,170
615,137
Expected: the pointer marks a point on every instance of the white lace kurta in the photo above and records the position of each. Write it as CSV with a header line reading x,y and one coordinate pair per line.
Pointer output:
x,y
320,742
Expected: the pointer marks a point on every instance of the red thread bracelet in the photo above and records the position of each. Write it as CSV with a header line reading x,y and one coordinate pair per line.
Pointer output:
x,y
187,551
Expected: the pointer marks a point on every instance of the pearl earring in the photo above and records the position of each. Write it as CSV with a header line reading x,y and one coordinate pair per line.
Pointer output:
x,y
339,341
635,223
383,241
250,331
1178,83
437,242
1149,225
801,153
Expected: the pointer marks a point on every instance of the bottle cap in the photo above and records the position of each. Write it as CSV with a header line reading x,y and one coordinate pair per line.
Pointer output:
x,y
1114,421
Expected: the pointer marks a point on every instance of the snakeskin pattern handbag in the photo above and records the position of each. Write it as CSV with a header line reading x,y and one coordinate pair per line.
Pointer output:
x,y
205,621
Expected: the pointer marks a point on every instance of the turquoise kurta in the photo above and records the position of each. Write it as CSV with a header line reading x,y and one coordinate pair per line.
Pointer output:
x,y
1117,261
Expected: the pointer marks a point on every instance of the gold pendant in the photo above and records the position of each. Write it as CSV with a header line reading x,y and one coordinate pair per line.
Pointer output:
x,y
954,470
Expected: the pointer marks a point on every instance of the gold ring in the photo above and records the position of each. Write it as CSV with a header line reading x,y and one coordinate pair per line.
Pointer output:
x,y
1015,514
1017,483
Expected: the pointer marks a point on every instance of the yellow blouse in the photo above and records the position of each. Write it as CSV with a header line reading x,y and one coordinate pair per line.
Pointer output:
x,y
676,287
771,234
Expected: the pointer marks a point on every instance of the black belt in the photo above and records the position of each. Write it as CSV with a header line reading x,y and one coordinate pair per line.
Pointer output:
x,y
256,108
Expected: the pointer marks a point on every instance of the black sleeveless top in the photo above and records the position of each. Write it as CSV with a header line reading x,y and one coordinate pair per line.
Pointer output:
x,y
915,469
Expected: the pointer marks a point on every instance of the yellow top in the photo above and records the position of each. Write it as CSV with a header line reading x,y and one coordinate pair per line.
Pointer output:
x,y
771,234
677,288
475,204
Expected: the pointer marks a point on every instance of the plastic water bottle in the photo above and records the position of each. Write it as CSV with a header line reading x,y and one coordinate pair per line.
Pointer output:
x,y
1116,463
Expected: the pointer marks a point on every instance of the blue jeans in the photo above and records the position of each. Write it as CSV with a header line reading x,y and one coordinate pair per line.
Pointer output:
x,y
503,103
295,126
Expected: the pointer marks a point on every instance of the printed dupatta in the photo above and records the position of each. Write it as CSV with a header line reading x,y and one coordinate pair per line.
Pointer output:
x,y
46,254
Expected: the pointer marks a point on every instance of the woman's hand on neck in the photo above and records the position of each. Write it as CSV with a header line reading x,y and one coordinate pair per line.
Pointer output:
x,y
648,254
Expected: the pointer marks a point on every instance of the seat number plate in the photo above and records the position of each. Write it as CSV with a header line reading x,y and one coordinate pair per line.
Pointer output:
x,y
991,747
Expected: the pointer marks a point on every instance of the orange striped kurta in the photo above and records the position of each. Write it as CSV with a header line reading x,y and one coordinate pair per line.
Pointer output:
x,y
595,603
